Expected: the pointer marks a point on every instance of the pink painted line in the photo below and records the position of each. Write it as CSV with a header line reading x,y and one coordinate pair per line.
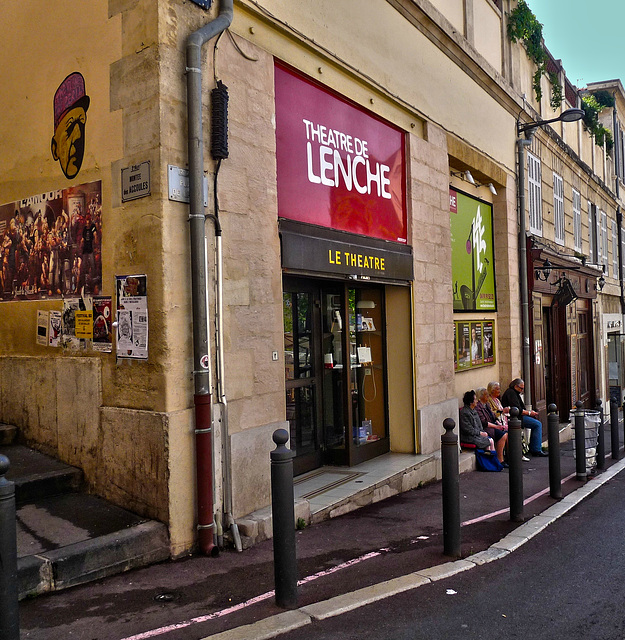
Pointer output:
x,y
501,511
338,567
237,607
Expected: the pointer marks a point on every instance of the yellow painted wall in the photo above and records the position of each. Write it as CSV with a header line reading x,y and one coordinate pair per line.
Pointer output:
x,y
400,370
453,10
112,423
487,19
427,81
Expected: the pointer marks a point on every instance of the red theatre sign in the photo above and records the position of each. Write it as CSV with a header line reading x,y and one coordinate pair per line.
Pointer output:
x,y
338,165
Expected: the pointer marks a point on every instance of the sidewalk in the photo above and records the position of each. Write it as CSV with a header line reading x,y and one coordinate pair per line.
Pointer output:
x,y
398,540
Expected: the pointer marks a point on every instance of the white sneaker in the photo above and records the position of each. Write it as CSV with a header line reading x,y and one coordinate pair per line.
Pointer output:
x,y
525,459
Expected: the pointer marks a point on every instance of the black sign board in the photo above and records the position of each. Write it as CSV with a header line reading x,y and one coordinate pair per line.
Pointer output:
x,y
307,248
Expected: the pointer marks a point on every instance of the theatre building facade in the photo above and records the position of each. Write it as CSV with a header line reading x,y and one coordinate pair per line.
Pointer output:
x,y
361,251
347,269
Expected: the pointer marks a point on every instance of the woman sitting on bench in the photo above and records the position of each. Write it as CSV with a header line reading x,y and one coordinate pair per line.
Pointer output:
x,y
470,428
489,423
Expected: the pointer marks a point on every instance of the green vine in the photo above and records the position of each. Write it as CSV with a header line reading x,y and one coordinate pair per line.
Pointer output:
x,y
523,26
593,104
556,91
604,98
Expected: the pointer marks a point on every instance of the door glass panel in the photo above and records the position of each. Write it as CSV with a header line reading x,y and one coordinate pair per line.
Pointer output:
x,y
298,343
300,412
299,362
333,372
367,365
287,312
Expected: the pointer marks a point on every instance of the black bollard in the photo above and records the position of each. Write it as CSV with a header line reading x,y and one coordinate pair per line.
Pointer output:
x,y
601,439
283,515
515,475
614,439
451,490
580,442
555,478
9,611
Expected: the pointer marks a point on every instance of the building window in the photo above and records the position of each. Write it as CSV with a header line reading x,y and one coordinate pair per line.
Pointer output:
x,y
604,240
592,233
614,250
558,208
623,252
535,194
577,221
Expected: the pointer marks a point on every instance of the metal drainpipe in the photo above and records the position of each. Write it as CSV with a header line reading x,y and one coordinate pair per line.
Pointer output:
x,y
221,394
525,317
197,221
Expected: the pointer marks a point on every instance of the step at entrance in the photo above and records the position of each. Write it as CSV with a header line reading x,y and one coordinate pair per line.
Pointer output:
x,y
67,537
7,434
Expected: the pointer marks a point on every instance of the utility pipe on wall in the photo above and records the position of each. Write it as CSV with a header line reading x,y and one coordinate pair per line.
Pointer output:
x,y
522,143
197,220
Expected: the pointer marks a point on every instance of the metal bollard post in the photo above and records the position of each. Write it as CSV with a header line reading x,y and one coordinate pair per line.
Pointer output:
x,y
555,477
580,442
614,439
451,490
601,439
283,516
9,611
515,475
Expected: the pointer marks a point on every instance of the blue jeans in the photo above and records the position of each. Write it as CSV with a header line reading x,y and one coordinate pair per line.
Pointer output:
x,y
536,437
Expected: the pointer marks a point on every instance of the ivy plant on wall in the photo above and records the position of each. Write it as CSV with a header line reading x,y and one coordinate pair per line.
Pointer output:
x,y
593,104
523,26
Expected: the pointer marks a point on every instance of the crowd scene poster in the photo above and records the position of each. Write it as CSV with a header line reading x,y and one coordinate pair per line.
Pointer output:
x,y
51,244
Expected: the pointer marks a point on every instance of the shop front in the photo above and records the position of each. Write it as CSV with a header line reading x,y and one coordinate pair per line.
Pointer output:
x,y
347,270
615,338
562,332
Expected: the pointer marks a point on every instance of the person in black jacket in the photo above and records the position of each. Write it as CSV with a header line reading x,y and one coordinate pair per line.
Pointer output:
x,y
471,426
529,419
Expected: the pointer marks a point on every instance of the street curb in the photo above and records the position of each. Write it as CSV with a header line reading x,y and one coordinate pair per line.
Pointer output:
x,y
288,621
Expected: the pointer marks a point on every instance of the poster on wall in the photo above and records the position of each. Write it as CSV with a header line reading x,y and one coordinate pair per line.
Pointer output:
x,y
102,324
455,346
464,350
338,165
69,340
51,244
472,253
42,328
489,353
132,317
83,324
55,329
474,344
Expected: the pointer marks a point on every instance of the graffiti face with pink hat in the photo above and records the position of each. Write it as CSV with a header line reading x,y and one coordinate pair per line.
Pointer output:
x,y
70,117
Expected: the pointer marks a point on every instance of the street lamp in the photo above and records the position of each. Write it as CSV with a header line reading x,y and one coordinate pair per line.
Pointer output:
x,y
543,273
570,115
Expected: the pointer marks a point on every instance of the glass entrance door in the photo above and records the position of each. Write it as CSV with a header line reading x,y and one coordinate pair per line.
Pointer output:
x,y
301,360
335,372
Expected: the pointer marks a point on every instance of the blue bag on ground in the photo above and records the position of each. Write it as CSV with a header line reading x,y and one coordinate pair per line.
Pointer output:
x,y
487,461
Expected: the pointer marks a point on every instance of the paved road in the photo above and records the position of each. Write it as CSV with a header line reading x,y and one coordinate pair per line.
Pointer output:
x,y
204,596
567,582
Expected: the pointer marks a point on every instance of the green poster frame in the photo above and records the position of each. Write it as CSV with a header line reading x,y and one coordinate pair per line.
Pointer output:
x,y
472,254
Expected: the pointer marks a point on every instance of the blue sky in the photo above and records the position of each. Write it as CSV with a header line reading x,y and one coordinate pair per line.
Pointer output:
x,y
586,36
